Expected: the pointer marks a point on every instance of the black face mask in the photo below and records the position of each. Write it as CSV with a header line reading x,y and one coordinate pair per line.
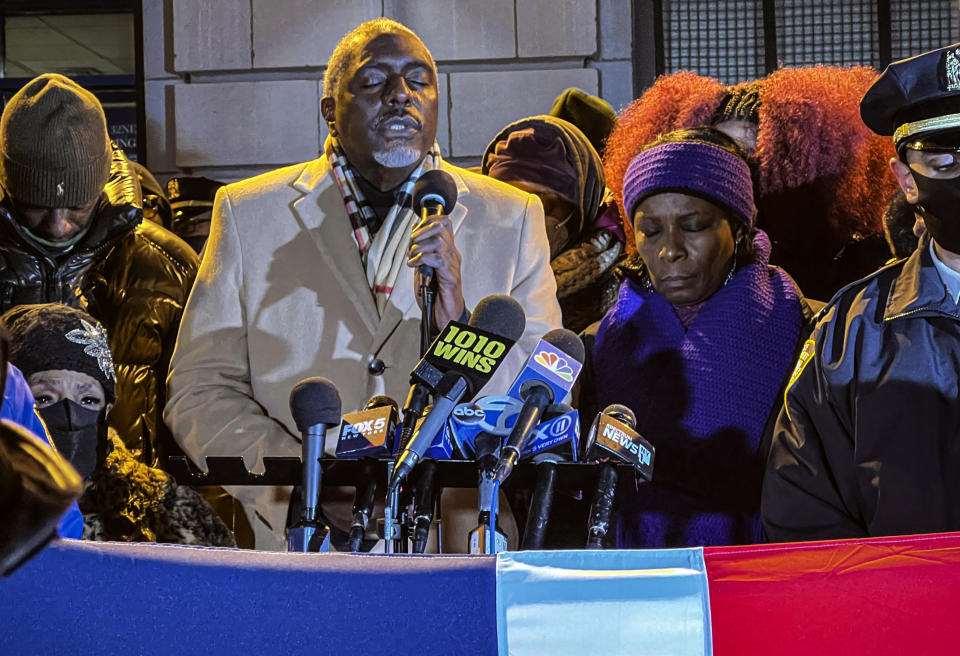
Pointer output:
x,y
939,205
78,433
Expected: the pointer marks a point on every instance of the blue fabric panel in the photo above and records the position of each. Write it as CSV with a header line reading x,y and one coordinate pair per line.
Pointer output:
x,y
111,598
653,601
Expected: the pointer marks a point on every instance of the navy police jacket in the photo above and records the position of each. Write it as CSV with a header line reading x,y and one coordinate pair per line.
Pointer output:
x,y
868,440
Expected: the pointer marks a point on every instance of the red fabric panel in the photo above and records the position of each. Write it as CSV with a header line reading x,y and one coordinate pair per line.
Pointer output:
x,y
898,595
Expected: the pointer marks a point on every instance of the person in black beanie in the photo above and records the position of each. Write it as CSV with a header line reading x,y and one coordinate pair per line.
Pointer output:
x,y
72,232
65,356
593,115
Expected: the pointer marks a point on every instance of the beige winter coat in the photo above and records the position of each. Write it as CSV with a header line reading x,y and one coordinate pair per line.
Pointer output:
x,y
281,295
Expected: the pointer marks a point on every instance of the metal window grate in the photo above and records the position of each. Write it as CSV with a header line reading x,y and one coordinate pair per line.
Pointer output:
x,y
825,32
736,40
918,27
721,39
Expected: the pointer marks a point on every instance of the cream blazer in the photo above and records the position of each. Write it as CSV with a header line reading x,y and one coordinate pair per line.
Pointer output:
x,y
281,295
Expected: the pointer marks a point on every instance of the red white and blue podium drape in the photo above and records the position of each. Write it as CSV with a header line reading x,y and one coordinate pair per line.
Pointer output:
x,y
880,596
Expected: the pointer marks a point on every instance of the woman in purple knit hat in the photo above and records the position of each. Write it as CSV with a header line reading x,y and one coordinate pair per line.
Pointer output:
x,y
699,344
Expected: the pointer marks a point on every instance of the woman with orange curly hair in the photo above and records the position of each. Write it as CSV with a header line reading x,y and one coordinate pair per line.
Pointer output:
x,y
821,182
699,343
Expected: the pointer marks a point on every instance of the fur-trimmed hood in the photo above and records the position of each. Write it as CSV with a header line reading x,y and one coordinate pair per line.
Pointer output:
x,y
125,500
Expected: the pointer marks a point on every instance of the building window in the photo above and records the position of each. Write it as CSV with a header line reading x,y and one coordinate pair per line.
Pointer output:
x,y
93,42
738,40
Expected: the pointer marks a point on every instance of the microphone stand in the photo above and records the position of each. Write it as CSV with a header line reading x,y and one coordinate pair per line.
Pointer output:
x,y
484,539
310,534
491,546
394,526
602,506
486,531
424,501
540,504
428,295
391,529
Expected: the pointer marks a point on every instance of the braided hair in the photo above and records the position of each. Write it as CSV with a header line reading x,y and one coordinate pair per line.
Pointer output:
x,y
741,103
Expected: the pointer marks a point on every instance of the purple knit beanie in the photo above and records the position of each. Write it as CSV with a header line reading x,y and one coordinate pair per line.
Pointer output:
x,y
705,170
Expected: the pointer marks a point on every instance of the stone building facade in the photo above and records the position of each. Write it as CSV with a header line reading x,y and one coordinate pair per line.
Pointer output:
x,y
232,87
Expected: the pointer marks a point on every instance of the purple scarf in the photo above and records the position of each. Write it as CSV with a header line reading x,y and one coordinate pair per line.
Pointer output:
x,y
702,396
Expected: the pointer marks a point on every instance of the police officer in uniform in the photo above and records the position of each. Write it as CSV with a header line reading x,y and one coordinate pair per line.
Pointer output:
x,y
868,441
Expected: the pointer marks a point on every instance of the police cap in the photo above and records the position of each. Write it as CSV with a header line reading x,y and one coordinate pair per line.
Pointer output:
x,y
916,96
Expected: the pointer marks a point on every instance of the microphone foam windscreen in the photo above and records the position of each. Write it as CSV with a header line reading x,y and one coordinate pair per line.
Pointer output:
x,y
437,186
567,341
500,314
621,413
314,401
381,402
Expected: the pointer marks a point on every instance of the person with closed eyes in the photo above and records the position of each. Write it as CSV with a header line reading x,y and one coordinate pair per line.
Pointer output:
x,y
700,341
72,231
312,269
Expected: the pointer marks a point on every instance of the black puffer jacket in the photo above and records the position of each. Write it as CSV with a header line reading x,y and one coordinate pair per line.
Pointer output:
x,y
131,275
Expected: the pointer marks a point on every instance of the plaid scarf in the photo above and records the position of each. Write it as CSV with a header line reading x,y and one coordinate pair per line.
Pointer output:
x,y
383,255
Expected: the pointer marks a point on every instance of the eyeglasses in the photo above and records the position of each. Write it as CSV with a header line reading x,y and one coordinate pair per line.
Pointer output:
x,y
933,160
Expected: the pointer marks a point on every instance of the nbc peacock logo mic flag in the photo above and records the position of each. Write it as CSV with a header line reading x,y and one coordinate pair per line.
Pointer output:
x,y
552,366
556,364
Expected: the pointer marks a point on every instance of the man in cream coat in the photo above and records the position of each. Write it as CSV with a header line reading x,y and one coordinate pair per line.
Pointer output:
x,y
311,269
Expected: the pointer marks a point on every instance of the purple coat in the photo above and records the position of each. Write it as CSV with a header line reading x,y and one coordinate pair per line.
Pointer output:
x,y
702,396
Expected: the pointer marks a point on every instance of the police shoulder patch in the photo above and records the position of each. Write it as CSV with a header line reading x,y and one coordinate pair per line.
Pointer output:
x,y
806,354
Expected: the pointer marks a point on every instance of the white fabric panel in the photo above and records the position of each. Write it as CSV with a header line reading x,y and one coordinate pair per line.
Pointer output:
x,y
652,601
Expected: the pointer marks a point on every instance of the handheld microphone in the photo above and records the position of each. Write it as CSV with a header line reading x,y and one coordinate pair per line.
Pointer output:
x,y
315,406
434,193
556,441
613,438
442,354
451,389
469,355
497,415
546,379
423,381
367,435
